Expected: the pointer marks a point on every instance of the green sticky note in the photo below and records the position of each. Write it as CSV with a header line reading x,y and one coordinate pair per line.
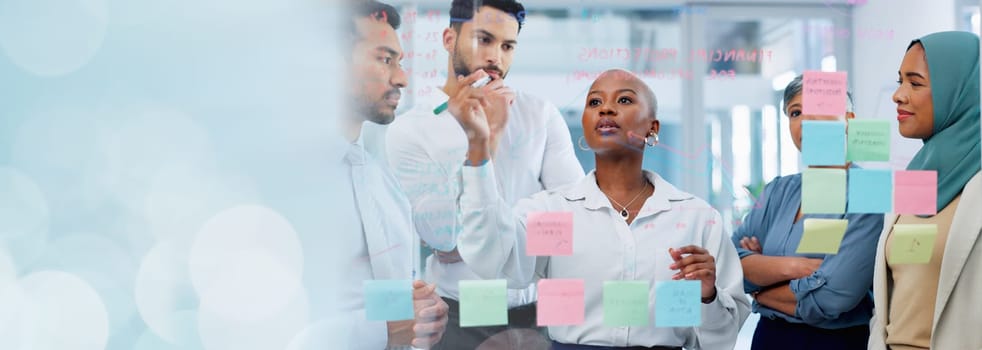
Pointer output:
x,y
822,236
388,300
483,303
869,140
626,303
912,243
823,191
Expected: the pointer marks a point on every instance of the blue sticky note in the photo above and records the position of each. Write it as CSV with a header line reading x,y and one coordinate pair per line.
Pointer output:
x,y
823,142
388,300
870,191
678,304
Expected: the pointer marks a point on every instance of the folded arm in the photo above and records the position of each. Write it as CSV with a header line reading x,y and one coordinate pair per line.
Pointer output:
x,y
844,279
779,298
767,271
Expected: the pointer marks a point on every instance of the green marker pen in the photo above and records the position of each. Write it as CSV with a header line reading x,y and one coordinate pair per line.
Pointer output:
x,y
480,83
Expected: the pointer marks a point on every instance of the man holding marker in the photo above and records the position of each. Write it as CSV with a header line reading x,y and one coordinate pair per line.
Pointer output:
x,y
385,250
532,151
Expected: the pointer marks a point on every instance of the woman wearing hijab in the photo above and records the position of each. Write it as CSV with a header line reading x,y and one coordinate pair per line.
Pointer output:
x,y
937,305
815,301
628,224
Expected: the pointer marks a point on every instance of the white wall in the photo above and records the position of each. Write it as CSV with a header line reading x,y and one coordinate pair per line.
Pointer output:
x,y
876,61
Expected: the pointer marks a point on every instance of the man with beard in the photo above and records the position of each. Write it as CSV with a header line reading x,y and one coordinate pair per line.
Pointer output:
x,y
427,149
381,249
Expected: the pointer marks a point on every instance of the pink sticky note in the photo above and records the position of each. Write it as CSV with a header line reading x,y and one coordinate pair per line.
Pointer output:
x,y
549,233
560,302
823,93
915,192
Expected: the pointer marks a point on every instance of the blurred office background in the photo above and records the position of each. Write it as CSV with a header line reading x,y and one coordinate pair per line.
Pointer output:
x,y
135,136
723,137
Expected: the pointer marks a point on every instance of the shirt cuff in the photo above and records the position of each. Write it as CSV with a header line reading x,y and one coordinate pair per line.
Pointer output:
x,y
744,252
802,286
716,313
479,186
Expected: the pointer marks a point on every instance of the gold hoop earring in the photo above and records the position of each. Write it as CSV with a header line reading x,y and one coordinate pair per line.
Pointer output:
x,y
579,143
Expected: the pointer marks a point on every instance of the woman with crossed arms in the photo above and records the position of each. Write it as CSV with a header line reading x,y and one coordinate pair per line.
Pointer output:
x,y
814,301
629,224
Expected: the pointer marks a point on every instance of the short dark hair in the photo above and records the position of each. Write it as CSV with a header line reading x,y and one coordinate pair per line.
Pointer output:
x,y
372,9
463,10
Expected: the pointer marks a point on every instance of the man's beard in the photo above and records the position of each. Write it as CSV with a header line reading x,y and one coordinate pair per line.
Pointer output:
x,y
382,115
379,111
460,66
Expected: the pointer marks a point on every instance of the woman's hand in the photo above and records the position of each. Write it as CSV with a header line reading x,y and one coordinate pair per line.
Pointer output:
x,y
751,244
695,263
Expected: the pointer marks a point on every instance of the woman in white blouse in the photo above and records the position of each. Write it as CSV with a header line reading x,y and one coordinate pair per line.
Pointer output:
x,y
629,224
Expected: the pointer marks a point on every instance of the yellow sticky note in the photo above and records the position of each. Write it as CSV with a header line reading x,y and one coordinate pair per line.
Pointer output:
x,y
912,243
822,236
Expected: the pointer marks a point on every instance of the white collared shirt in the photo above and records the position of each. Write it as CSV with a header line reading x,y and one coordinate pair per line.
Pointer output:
x,y
606,248
372,240
427,152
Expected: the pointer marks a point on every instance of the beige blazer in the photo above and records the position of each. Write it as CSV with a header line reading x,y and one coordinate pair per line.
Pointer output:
x,y
958,308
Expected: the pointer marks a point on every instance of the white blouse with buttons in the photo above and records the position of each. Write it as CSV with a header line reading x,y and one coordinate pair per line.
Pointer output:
x,y
606,248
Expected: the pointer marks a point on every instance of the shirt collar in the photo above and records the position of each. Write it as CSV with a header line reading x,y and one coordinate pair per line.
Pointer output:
x,y
356,154
665,193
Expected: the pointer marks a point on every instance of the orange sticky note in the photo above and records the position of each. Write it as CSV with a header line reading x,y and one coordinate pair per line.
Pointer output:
x,y
915,192
823,93
549,233
560,302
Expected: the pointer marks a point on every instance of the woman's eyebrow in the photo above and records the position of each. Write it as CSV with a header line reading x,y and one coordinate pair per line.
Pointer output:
x,y
914,74
616,92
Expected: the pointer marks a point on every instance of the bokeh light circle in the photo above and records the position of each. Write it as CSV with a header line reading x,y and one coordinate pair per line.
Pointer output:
x,y
244,228
52,37
24,217
163,290
61,311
